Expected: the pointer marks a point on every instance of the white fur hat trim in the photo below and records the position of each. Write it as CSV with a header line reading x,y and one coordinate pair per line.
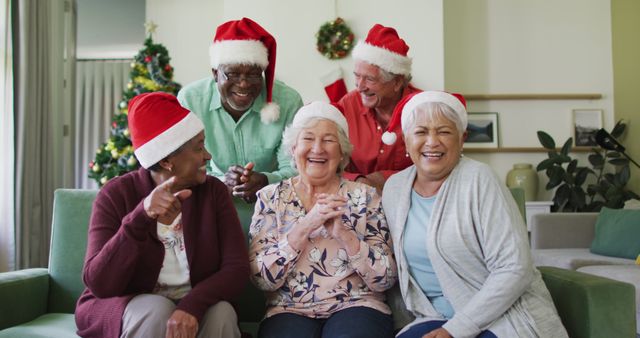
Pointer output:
x,y
250,52
383,58
319,109
433,96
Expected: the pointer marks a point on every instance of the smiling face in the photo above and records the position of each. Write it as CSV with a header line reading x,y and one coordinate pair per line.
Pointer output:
x,y
317,152
435,146
239,85
188,164
375,92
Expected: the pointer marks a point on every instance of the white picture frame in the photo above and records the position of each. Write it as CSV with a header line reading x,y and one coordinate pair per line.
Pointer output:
x,y
482,131
586,122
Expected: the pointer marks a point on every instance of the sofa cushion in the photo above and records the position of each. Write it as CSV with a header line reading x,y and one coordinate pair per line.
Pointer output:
x,y
624,273
51,325
591,306
617,233
71,212
573,259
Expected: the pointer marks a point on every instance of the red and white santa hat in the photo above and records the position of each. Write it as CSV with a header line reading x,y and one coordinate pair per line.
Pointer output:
x,y
159,125
245,42
407,106
385,49
323,110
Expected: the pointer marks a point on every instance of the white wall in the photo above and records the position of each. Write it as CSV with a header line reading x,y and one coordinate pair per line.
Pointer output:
x,y
187,28
110,29
520,46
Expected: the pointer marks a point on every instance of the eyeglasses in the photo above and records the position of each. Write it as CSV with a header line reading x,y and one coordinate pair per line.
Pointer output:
x,y
237,77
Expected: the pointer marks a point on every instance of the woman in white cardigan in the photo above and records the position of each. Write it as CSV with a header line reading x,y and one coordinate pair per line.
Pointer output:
x,y
464,262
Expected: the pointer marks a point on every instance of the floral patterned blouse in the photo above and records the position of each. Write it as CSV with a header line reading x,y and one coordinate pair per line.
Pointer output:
x,y
322,278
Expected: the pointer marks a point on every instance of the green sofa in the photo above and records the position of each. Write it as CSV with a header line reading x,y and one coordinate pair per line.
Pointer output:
x,y
40,302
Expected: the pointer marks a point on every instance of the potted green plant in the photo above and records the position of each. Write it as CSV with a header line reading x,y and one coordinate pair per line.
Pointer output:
x,y
582,188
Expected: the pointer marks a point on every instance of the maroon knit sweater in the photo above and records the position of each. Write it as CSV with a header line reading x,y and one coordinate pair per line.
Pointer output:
x,y
124,255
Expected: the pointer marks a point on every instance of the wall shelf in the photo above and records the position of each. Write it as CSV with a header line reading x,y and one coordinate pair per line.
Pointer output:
x,y
485,97
559,96
522,150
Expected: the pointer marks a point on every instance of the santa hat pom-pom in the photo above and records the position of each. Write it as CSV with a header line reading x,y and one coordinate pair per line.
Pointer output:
x,y
270,113
389,138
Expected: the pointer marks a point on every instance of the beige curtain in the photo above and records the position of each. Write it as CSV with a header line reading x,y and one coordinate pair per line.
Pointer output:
x,y
7,247
44,32
99,87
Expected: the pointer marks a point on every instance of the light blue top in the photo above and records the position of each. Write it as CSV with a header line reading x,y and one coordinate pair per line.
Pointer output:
x,y
417,254
248,140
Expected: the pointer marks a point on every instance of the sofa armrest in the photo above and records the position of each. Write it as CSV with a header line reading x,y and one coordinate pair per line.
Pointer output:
x,y
23,296
591,306
563,230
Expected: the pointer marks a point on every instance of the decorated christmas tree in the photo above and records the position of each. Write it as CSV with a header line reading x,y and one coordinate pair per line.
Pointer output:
x,y
150,72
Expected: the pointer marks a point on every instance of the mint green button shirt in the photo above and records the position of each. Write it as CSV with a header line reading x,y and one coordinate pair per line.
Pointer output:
x,y
248,140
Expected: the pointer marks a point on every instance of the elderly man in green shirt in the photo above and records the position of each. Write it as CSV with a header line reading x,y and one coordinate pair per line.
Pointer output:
x,y
243,112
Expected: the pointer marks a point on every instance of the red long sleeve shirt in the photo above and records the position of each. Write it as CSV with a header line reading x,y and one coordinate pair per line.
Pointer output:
x,y
370,154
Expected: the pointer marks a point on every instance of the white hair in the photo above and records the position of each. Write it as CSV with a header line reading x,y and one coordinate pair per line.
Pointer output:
x,y
386,76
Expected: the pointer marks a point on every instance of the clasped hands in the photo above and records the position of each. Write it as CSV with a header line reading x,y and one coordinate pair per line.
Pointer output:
x,y
328,211
243,182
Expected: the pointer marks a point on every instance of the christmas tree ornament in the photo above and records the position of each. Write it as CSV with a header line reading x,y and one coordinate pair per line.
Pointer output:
x,y
132,162
150,27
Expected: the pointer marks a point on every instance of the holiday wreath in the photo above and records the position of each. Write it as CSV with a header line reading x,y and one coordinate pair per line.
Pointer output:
x,y
334,39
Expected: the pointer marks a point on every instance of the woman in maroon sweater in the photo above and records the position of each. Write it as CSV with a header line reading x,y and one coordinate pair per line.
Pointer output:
x,y
166,252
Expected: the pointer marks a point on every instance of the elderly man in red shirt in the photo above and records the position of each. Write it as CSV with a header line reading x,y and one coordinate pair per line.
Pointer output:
x,y
382,73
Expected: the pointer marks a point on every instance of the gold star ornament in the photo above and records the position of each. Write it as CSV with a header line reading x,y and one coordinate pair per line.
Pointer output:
x,y
150,27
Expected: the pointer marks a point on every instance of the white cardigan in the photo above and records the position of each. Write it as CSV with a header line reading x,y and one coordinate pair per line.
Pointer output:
x,y
479,250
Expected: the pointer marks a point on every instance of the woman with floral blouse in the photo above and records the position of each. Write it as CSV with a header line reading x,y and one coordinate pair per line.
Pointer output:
x,y
320,245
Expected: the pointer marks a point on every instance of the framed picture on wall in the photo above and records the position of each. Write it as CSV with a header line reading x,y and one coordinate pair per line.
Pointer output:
x,y
586,123
482,131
